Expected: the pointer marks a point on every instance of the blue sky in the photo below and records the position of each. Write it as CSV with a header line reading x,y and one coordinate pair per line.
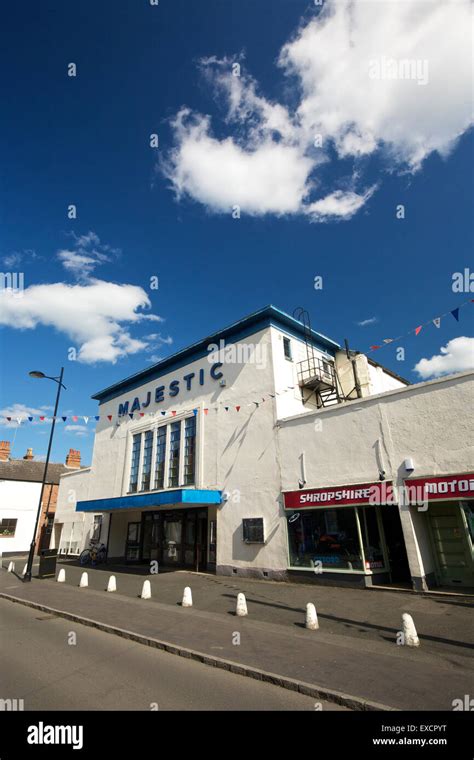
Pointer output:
x,y
225,141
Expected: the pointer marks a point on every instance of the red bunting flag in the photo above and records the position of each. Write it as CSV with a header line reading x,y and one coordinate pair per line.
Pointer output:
x,y
42,419
418,329
74,419
206,411
142,414
173,413
109,417
237,408
374,348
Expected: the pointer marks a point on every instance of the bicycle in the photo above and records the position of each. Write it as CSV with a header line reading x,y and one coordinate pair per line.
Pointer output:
x,y
95,554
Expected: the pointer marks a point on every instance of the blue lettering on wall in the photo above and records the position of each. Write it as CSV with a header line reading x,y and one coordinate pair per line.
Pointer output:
x,y
135,405
187,379
214,374
174,388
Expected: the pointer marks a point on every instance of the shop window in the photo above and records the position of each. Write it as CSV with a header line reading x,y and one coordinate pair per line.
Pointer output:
x,y
175,441
160,457
136,446
287,348
7,527
253,530
146,468
371,539
326,538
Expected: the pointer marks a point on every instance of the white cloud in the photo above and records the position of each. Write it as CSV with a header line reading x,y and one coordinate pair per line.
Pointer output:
x,y
20,411
456,356
338,205
370,77
80,430
95,316
369,321
86,254
270,178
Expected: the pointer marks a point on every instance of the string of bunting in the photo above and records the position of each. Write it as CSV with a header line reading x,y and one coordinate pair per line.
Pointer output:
x,y
436,321
138,415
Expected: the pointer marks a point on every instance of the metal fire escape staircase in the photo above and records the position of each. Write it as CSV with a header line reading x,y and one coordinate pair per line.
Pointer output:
x,y
315,373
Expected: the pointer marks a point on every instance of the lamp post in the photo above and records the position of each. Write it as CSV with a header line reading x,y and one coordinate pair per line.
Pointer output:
x,y
59,381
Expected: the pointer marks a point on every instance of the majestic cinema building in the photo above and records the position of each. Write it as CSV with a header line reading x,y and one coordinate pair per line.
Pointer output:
x,y
267,450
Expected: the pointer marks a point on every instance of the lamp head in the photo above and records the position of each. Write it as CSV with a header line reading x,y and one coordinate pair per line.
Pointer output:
x,y
36,373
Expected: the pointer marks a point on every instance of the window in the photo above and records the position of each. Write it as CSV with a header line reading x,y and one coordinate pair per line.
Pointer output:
x,y
287,348
175,441
328,537
189,449
253,530
97,528
146,469
164,457
137,441
7,527
160,457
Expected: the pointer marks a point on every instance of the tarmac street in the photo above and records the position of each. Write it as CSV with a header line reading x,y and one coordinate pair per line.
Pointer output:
x,y
54,664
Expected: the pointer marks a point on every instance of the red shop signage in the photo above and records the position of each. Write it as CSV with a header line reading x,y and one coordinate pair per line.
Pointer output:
x,y
442,488
363,493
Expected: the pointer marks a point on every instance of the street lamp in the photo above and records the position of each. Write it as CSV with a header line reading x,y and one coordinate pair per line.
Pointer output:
x,y
59,381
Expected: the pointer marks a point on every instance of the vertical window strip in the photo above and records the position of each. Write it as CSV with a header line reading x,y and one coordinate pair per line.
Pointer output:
x,y
160,457
189,450
146,468
175,441
137,440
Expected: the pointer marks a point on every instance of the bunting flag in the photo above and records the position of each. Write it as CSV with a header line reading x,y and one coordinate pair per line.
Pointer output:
x,y
436,321
141,415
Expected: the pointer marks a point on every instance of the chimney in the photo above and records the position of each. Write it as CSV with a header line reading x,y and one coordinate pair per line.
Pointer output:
x,y
4,451
73,459
29,454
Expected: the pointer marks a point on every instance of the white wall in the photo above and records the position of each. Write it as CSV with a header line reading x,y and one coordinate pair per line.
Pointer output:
x,y
348,444
76,526
19,500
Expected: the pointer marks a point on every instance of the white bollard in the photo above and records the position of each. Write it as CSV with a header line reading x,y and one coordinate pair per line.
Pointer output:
x,y
410,636
241,610
146,590
311,617
61,576
11,567
112,585
84,582
187,598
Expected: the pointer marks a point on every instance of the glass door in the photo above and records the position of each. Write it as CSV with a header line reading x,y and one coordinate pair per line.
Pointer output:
x,y
132,547
172,538
190,540
151,537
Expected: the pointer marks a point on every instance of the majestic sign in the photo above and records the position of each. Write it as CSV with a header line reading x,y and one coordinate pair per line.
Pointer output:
x,y
441,488
366,493
173,389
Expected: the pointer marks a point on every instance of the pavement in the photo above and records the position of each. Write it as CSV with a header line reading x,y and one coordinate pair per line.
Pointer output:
x,y
354,654
47,668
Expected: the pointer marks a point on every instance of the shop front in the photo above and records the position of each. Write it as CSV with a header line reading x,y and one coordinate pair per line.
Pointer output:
x,y
348,533
448,505
175,529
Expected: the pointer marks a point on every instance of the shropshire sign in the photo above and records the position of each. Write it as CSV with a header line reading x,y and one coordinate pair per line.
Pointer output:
x,y
172,389
366,493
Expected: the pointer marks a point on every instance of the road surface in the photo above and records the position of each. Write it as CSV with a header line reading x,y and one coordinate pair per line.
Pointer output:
x,y
54,664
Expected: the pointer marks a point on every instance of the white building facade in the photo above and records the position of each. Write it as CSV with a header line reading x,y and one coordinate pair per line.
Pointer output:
x,y
196,457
